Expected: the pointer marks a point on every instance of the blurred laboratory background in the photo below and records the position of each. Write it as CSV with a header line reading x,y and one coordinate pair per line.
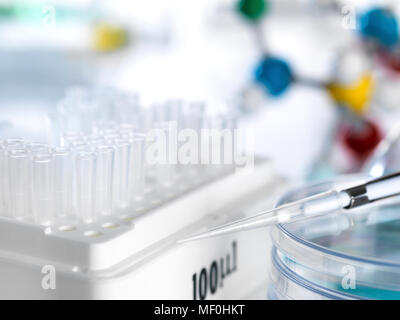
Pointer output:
x,y
315,81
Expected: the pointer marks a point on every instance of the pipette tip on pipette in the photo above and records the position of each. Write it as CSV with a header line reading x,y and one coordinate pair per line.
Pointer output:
x,y
320,204
263,219
205,235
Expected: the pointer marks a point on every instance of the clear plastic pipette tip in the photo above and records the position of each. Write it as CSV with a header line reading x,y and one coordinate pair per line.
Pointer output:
x,y
264,219
323,203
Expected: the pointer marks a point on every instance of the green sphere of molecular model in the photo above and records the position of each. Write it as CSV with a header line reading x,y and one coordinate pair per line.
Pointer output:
x,y
253,9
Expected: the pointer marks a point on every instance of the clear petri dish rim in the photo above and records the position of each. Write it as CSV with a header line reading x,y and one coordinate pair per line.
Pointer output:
x,y
317,257
347,181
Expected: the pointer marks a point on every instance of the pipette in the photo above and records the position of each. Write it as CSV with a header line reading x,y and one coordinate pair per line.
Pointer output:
x,y
321,204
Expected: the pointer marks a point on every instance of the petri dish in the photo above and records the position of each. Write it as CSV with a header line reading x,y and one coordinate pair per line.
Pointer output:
x,y
349,255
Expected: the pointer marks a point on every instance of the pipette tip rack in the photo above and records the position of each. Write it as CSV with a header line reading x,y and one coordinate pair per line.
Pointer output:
x,y
97,181
91,204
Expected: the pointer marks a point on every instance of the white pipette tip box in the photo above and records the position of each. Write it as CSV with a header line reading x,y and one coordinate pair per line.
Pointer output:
x,y
135,254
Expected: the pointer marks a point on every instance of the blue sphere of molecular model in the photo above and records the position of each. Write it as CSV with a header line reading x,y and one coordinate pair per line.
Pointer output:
x,y
274,75
380,25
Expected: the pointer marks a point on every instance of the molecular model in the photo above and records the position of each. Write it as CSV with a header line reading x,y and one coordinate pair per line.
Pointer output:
x,y
377,29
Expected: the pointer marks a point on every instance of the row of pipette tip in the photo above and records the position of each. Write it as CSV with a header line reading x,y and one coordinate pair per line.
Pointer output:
x,y
92,174
81,180
82,107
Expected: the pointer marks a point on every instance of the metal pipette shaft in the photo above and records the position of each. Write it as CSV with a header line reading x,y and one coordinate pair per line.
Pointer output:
x,y
320,204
